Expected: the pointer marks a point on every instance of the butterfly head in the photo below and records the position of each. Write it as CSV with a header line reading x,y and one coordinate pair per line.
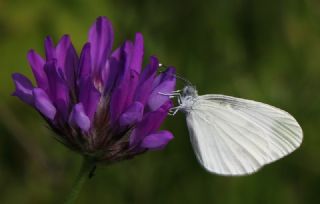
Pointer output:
x,y
189,91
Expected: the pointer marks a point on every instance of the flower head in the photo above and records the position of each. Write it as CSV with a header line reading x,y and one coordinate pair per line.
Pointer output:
x,y
101,103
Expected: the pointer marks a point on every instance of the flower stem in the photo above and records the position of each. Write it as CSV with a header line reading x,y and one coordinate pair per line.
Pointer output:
x,y
87,166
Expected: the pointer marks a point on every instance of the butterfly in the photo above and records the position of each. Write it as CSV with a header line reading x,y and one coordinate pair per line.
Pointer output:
x,y
234,136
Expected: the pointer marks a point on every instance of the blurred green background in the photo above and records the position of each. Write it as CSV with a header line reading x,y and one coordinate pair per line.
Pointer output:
x,y
266,50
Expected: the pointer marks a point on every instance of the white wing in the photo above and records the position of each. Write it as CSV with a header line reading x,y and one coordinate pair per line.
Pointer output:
x,y
233,136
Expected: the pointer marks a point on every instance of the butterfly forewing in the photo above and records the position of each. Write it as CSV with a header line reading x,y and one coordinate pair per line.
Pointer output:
x,y
233,136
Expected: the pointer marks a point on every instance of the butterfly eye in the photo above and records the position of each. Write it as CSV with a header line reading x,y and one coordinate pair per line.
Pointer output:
x,y
189,91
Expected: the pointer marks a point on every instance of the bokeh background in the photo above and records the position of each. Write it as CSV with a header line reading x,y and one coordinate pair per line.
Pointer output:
x,y
265,50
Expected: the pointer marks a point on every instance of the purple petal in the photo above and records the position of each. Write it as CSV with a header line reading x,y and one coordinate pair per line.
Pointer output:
x,y
146,79
101,39
23,88
116,62
89,96
67,59
61,50
132,115
104,74
157,141
169,73
150,70
127,57
43,103
79,118
85,61
167,82
70,60
58,89
119,98
36,63
117,103
137,57
49,48
71,66
150,123
132,83
135,66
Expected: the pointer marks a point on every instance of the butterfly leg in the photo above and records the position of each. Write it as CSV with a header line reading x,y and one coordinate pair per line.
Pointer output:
x,y
174,94
173,111
171,95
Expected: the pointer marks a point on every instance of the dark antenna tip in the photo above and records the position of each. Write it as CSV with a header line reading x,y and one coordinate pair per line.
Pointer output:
x,y
162,68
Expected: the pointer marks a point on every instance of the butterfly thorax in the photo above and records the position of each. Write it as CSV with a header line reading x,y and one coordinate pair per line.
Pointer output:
x,y
188,97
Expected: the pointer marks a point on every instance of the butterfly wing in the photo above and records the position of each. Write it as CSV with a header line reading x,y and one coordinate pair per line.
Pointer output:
x,y
233,136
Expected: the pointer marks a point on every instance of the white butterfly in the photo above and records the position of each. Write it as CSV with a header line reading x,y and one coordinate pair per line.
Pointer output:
x,y
233,136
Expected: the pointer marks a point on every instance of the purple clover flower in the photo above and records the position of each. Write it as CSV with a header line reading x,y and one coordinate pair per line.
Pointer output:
x,y
101,103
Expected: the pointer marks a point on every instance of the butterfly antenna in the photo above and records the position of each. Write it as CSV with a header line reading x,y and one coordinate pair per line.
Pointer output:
x,y
187,82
